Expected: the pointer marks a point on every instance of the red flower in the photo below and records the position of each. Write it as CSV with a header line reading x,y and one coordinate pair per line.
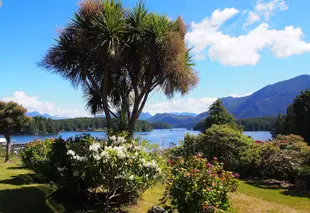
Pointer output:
x,y
169,162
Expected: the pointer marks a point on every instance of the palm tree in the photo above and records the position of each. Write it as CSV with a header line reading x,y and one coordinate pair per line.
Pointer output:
x,y
12,119
120,56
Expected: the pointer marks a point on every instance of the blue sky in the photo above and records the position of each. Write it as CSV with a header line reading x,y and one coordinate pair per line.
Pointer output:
x,y
240,46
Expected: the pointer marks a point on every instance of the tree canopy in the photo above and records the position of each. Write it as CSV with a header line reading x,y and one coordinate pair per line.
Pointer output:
x,y
12,118
41,125
119,56
219,115
297,119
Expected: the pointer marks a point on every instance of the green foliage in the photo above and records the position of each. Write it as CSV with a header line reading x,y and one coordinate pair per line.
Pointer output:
x,y
143,126
297,119
218,115
12,119
283,157
35,154
161,125
114,172
200,126
196,185
257,124
41,125
141,51
227,143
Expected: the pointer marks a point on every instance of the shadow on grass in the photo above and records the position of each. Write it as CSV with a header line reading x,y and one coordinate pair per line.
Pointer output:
x,y
16,167
284,188
73,203
18,180
296,193
26,200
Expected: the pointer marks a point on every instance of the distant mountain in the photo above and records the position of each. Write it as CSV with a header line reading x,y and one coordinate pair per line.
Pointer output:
x,y
169,118
268,101
35,113
202,116
45,115
184,113
144,116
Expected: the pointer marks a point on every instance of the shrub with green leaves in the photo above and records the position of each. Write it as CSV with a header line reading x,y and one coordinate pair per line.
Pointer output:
x,y
227,143
197,185
35,156
115,171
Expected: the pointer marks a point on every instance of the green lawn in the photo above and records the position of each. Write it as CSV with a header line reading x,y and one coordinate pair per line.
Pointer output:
x,y
18,194
248,199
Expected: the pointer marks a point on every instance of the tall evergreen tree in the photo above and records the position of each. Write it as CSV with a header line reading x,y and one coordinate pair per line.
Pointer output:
x,y
219,115
297,119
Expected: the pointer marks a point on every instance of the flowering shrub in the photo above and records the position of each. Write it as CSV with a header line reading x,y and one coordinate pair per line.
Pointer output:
x,y
283,157
196,185
115,171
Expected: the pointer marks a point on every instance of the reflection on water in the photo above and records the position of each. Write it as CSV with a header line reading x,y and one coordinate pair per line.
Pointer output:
x,y
157,136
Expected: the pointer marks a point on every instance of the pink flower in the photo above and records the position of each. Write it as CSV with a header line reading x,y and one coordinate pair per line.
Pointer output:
x,y
236,175
215,158
209,165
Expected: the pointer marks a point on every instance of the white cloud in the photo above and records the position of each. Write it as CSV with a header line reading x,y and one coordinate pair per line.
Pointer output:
x,y
206,36
32,103
184,105
240,96
252,18
267,8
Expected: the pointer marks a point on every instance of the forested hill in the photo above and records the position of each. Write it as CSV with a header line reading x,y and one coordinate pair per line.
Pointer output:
x,y
268,101
41,125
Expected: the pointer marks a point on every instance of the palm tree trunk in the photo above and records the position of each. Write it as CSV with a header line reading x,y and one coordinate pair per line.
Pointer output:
x,y
8,148
131,127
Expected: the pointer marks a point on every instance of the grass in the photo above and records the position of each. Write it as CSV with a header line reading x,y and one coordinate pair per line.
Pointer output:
x,y
248,199
18,193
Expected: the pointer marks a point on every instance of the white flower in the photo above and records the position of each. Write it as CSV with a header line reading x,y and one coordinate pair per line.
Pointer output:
x,y
158,170
121,154
104,154
97,157
83,159
113,138
148,164
61,169
76,173
154,164
121,140
94,147
142,161
131,177
71,152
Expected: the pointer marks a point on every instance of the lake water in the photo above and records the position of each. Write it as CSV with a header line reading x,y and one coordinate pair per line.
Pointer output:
x,y
157,136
